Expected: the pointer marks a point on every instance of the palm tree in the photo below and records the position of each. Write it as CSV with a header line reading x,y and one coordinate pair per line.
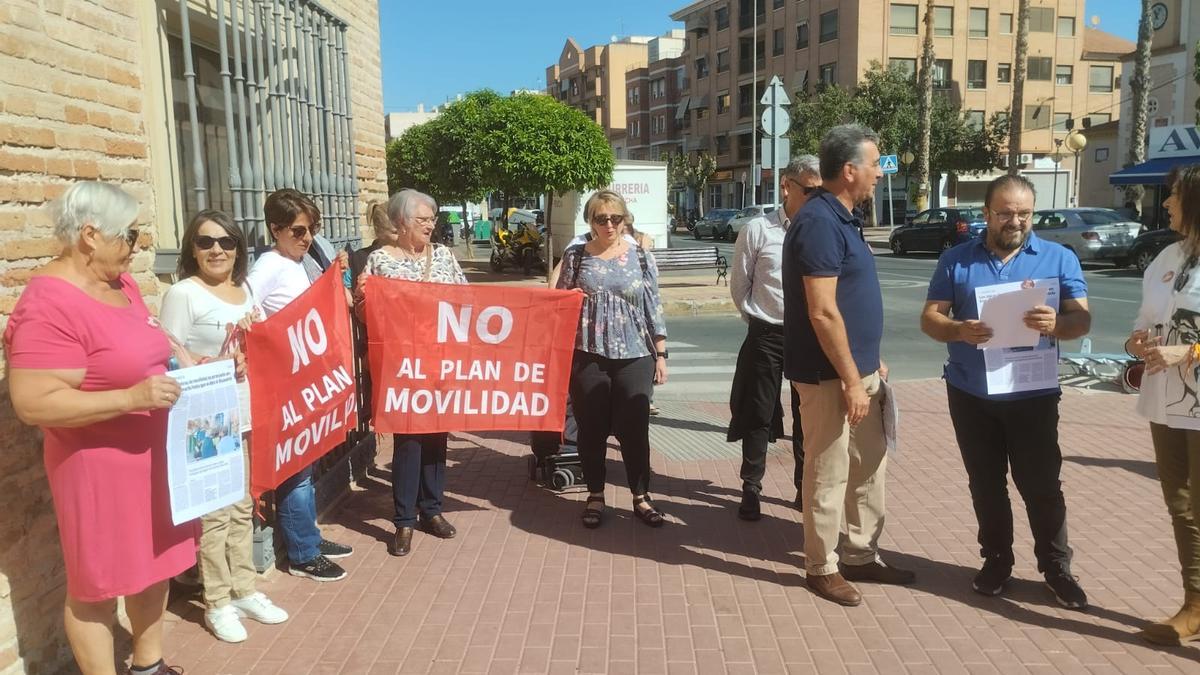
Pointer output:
x,y
1139,84
1016,113
924,111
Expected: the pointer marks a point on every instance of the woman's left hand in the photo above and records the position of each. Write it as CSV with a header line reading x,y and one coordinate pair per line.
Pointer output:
x,y
239,365
1160,357
660,371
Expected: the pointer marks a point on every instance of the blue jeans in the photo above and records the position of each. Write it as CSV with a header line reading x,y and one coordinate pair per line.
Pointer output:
x,y
296,507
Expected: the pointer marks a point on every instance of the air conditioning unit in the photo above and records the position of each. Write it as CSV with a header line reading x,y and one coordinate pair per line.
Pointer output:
x,y
1026,158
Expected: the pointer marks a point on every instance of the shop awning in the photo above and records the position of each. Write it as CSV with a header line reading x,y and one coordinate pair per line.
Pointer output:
x,y
682,108
1153,172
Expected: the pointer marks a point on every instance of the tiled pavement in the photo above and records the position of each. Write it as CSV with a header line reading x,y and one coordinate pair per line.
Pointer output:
x,y
524,588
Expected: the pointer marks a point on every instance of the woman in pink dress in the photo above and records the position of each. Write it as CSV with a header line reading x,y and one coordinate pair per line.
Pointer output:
x,y
86,364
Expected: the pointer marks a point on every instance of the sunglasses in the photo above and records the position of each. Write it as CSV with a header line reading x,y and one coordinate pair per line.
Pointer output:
x,y
298,232
205,242
131,236
615,219
805,189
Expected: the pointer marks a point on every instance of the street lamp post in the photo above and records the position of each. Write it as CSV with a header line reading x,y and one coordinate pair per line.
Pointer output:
x,y
1057,157
906,159
1076,142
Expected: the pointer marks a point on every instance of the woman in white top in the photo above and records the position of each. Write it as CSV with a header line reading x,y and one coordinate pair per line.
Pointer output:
x,y
200,312
1166,335
277,278
419,460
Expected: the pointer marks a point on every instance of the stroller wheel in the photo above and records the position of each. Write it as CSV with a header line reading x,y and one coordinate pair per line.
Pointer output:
x,y
532,462
562,479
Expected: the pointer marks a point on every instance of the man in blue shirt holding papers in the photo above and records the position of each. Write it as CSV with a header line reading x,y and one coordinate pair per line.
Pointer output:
x,y
1004,400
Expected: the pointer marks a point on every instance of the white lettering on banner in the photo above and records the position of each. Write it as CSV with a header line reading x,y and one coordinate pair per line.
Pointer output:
x,y
460,402
529,372
411,369
308,335
449,322
324,391
479,370
316,431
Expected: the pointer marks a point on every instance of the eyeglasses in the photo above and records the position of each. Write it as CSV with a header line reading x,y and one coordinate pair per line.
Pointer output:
x,y
806,190
1009,216
424,221
616,219
205,242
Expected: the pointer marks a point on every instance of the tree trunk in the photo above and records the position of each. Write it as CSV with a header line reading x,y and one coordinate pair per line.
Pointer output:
x,y
924,111
1016,115
1139,84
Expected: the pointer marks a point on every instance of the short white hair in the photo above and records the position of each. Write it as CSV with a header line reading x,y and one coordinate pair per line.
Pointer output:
x,y
403,205
104,206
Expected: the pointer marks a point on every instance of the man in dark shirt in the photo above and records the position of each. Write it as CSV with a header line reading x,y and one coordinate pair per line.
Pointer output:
x,y
833,323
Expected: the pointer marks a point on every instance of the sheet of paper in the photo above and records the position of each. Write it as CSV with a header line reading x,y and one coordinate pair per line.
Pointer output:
x,y
1028,368
1004,312
891,415
206,461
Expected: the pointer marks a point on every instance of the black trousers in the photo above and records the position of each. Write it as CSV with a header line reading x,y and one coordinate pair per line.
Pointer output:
x,y
1023,434
611,397
756,411
418,476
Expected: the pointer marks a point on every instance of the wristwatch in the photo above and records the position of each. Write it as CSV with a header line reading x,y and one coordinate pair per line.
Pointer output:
x,y
663,354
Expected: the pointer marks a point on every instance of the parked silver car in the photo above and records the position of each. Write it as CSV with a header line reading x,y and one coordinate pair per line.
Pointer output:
x,y
1091,233
714,224
746,215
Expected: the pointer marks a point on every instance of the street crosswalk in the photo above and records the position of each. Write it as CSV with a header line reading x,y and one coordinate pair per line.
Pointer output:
x,y
695,373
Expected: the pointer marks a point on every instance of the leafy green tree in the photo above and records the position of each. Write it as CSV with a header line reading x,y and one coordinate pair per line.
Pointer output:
x,y
410,160
814,114
692,172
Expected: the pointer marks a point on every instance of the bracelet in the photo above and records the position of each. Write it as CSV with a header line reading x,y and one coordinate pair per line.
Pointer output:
x,y
1194,353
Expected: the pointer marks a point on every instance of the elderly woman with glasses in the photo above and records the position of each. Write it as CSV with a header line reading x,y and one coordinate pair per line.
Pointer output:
x,y
87,364
1167,337
418,460
277,278
200,311
620,352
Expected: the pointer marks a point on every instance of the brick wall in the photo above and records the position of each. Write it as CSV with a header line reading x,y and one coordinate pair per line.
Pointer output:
x,y
71,107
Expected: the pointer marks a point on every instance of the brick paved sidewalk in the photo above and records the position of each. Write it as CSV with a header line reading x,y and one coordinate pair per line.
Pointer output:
x,y
524,588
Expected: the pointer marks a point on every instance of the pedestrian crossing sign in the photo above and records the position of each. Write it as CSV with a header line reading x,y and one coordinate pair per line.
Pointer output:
x,y
888,163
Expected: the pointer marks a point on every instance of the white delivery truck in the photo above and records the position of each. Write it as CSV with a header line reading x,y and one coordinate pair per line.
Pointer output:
x,y
643,184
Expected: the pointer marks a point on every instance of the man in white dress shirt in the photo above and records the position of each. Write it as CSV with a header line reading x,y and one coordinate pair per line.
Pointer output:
x,y
757,290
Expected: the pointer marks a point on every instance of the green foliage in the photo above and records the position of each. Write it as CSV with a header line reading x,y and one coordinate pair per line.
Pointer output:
x,y
409,160
690,171
886,101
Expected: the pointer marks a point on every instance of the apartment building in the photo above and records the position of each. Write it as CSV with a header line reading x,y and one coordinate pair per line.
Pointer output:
x,y
593,80
654,121
1073,70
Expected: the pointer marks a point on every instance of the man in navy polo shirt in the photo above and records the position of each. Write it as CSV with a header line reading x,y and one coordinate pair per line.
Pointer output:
x,y
1004,402
833,324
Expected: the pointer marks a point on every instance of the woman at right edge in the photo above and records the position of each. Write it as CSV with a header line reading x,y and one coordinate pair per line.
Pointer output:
x,y
1166,338
620,352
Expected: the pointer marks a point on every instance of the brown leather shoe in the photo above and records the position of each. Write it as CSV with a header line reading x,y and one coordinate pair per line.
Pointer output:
x,y
1182,628
879,573
402,544
835,588
438,526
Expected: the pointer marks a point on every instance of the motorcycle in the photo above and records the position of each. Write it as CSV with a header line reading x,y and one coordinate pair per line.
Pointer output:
x,y
521,248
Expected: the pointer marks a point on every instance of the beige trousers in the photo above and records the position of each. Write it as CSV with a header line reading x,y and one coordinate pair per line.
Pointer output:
x,y
844,470
226,552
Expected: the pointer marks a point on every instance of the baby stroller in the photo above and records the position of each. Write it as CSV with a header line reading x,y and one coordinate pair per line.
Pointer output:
x,y
555,459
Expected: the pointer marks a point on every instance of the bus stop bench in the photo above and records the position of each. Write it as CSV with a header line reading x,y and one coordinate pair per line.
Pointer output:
x,y
692,259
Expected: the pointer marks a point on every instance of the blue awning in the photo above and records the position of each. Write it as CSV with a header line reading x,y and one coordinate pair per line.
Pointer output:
x,y
1153,172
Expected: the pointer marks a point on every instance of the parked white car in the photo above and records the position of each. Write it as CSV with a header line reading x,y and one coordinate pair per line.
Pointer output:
x,y
746,215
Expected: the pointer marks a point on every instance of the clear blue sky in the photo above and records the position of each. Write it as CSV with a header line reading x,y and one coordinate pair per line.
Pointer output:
x,y
434,49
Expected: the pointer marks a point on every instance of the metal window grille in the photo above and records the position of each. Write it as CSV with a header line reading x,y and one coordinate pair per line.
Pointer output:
x,y
269,109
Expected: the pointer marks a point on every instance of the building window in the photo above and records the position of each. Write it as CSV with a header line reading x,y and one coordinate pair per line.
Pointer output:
x,y
1060,122
978,22
635,130
829,26
777,42
633,94
760,50
778,4
976,74
722,103
1041,19
1101,154
1040,68
1004,73
744,144
574,86
906,66
941,73
701,114
744,63
904,19
722,17
1066,26
717,191
1096,119
658,88
1064,75
802,35
701,68
1100,79
723,61
974,120
745,100
1006,23
828,75
723,144
1037,117
943,21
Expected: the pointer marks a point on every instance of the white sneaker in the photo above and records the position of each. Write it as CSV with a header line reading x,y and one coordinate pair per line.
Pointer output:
x,y
259,608
225,624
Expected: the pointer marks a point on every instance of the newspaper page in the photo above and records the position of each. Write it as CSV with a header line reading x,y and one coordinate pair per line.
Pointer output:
x,y
206,461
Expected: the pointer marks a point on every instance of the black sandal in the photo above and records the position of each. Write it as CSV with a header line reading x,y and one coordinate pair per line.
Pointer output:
x,y
651,516
593,517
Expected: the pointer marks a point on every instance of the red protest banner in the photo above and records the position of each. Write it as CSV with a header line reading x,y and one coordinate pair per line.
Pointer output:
x,y
469,358
302,391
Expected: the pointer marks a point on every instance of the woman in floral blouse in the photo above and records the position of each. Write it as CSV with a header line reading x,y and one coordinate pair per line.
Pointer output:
x,y
419,460
620,352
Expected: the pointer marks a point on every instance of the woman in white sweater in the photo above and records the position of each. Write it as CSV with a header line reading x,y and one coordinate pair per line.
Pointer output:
x,y
201,311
